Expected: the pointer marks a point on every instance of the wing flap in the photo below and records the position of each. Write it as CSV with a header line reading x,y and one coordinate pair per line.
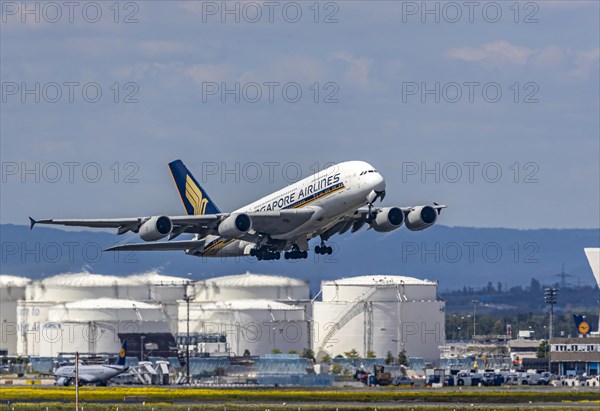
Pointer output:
x,y
160,246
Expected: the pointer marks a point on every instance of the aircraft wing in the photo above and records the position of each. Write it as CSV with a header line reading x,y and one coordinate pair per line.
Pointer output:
x,y
364,211
362,217
181,224
263,223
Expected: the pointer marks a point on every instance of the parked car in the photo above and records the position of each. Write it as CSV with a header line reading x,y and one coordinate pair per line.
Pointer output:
x,y
402,380
467,379
492,379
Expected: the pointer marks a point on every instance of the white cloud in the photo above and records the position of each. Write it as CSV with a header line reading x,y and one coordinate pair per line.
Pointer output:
x,y
573,63
298,68
154,48
200,73
501,52
550,56
585,62
358,70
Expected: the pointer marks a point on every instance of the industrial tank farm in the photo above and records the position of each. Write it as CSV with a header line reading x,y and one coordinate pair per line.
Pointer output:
x,y
228,315
93,326
252,286
378,313
258,326
41,295
12,289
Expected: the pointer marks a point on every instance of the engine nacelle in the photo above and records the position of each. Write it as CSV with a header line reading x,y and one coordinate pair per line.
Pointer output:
x,y
156,228
62,381
421,217
388,219
235,226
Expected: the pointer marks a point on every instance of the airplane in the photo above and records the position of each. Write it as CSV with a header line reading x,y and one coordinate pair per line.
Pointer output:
x,y
332,201
92,374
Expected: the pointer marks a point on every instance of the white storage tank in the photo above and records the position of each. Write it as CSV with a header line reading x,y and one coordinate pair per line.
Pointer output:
x,y
12,290
79,286
379,313
93,326
252,286
40,295
164,290
160,287
259,326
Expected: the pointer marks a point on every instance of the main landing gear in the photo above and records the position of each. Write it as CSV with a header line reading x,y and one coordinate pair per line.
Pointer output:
x,y
295,254
323,249
263,253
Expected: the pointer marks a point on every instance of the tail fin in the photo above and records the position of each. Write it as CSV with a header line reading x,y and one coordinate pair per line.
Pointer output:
x,y
122,354
195,200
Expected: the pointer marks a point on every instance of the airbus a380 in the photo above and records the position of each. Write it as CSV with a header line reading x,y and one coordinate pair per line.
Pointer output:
x,y
333,201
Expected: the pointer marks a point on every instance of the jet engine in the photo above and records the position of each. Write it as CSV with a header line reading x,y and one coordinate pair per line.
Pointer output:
x,y
419,218
156,228
64,381
235,226
388,219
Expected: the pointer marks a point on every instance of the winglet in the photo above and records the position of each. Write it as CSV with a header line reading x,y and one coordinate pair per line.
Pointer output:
x,y
31,223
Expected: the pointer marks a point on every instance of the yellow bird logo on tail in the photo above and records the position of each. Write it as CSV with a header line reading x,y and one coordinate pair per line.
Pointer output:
x,y
194,196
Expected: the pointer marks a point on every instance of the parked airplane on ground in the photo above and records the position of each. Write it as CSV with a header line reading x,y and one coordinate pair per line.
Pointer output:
x,y
92,374
333,201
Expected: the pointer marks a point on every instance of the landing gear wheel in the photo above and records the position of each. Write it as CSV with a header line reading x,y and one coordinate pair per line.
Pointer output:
x,y
323,248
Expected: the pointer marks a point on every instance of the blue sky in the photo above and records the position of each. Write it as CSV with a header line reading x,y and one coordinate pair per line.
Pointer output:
x,y
527,158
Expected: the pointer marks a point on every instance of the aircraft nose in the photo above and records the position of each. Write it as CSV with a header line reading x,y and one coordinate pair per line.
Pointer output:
x,y
378,182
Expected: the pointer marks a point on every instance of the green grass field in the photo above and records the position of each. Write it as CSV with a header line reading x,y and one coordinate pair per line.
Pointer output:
x,y
253,407
120,396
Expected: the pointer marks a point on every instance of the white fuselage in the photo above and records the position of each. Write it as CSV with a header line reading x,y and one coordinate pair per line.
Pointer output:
x,y
89,373
333,194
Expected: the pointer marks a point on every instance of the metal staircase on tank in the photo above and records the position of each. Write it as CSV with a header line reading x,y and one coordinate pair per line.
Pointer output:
x,y
351,311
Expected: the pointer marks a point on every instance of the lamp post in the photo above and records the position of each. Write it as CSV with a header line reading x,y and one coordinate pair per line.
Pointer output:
x,y
187,298
550,299
475,302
